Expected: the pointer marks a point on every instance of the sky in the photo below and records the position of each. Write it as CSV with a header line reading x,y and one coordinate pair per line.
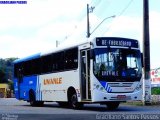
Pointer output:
x,y
26,29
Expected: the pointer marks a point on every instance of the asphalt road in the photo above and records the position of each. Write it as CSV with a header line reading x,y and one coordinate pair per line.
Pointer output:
x,y
12,109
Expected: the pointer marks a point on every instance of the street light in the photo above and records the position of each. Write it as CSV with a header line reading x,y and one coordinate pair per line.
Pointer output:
x,y
102,22
57,43
89,10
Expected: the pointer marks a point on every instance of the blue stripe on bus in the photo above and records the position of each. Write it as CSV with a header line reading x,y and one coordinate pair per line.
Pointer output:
x,y
106,86
37,93
38,89
103,83
27,58
41,95
110,90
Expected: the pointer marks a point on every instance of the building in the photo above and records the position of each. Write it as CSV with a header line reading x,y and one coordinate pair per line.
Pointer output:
x,y
4,90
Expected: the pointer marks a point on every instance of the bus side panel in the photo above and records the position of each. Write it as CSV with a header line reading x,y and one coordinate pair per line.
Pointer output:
x,y
28,84
54,86
23,88
16,92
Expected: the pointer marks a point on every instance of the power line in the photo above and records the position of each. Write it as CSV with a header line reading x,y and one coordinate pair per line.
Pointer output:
x,y
102,22
96,3
125,8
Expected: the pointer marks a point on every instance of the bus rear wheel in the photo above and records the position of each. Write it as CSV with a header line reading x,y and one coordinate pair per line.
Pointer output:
x,y
33,101
112,105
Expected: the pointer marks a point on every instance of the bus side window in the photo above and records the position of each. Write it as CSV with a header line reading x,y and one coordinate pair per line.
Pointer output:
x,y
18,72
54,64
20,75
71,58
15,70
60,61
47,64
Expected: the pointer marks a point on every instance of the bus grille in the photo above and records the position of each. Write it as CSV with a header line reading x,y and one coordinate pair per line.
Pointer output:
x,y
122,84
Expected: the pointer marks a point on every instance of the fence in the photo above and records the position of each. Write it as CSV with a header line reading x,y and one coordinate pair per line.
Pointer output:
x,y
7,94
155,99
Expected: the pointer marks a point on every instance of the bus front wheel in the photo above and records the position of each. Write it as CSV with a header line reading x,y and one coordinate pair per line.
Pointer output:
x,y
63,104
112,105
73,102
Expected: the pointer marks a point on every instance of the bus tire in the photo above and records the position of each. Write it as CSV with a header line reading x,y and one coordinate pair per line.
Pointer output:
x,y
39,103
73,102
32,99
112,105
63,104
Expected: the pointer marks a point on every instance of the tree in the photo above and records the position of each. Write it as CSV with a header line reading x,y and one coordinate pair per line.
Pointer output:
x,y
6,69
2,76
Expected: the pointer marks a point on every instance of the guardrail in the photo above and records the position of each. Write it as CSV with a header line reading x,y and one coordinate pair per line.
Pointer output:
x,y
155,99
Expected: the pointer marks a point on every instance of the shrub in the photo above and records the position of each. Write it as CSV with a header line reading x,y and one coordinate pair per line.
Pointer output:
x,y
155,91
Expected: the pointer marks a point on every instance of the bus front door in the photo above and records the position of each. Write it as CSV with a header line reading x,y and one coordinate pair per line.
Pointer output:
x,y
85,74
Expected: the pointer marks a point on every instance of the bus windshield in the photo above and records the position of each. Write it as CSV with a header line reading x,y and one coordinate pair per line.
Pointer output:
x,y
117,64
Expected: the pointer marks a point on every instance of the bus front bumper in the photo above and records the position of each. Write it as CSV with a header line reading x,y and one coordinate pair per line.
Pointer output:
x,y
99,96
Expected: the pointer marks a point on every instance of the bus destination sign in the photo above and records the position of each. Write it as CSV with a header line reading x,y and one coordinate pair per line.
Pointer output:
x,y
124,42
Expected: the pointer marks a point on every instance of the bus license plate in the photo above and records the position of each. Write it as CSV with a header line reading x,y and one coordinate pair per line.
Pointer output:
x,y
121,97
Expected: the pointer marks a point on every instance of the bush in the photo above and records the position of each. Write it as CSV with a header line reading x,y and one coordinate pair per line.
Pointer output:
x,y
155,91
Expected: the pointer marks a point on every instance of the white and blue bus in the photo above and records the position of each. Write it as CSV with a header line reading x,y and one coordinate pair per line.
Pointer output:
x,y
105,70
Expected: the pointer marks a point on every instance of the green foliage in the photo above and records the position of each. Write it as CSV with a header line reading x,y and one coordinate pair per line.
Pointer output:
x,y
2,76
6,70
155,91
10,83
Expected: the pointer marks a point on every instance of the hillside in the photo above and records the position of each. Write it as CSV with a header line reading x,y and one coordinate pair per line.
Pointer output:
x,y
6,70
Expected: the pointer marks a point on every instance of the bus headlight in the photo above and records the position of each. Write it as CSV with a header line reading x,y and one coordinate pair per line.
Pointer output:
x,y
100,88
97,86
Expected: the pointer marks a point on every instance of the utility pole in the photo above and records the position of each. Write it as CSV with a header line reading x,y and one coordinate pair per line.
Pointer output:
x,y
88,29
89,10
146,54
56,43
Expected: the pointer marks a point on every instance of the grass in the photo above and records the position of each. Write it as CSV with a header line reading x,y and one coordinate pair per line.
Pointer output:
x,y
135,103
155,91
155,98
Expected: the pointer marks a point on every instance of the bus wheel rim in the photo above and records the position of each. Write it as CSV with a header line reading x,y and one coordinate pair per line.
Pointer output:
x,y
73,101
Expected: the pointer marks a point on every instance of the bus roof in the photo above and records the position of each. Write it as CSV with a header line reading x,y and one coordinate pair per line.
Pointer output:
x,y
27,58
61,48
38,55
